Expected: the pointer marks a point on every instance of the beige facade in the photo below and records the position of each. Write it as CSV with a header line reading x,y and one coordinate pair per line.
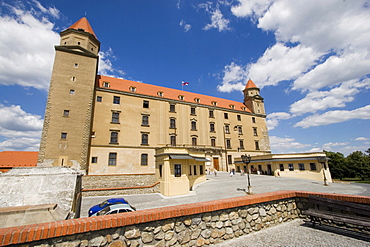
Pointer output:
x,y
298,165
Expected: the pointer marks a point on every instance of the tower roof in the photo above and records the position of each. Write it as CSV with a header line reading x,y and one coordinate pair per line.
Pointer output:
x,y
83,24
250,84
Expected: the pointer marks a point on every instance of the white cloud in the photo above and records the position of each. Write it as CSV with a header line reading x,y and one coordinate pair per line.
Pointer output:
x,y
105,64
273,119
235,78
251,8
218,21
26,45
286,145
361,139
186,26
21,130
335,97
337,116
329,145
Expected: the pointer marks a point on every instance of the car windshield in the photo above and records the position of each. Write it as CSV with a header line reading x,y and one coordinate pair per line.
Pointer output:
x,y
103,204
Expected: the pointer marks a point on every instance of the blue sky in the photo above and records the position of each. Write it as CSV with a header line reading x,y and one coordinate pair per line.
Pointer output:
x,y
311,60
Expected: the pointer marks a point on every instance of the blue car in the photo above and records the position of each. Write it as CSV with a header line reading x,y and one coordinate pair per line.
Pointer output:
x,y
94,209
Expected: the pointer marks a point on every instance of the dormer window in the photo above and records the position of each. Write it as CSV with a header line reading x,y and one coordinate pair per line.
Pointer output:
x,y
232,106
160,94
214,103
133,89
181,97
105,84
197,100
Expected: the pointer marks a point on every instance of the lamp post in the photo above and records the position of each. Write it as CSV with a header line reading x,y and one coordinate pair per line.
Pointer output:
x,y
322,160
246,160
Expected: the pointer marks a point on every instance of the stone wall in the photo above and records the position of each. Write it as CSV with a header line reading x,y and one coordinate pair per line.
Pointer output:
x,y
197,224
109,185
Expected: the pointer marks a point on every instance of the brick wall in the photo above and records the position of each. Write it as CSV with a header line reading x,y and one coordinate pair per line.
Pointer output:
x,y
197,224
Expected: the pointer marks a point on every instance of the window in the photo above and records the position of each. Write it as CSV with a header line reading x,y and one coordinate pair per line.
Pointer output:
x,y
99,98
112,159
145,104
232,106
213,142
105,84
76,65
190,170
177,170
193,125
160,170
145,120
239,118
160,94
257,145
229,159
115,117
228,143
72,91
194,141
212,127
94,159
291,167
227,129
201,171
192,111
211,114
114,137
255,131
144,139
172,108
226,115
214,103
301,166
133,89
63,135
73,78
197,100
195,170
172,123
240,130
241,144
313,166
173,140
253,120
116,100
281,167
66,113
144,159
181,97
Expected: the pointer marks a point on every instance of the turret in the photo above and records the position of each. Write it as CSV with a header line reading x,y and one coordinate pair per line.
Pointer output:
x,y
253,99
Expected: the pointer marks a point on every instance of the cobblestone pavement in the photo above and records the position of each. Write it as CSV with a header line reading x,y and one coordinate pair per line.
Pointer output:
x,y
299,233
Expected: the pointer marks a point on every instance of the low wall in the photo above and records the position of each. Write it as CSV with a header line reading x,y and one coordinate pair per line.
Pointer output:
x,y
196,224
122,184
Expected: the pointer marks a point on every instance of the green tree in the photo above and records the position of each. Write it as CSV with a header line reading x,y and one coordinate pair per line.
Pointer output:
x,y
337,164
359,164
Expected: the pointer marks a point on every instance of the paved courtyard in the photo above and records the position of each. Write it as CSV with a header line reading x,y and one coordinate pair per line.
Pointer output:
x,y
295,233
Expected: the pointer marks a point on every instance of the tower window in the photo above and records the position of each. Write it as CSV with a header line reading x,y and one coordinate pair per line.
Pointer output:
x,y
72,91
145,104
112,159
66,113
227,129
73,78
94,159
144,139
116,100
255,132
99,98
257,145
63,135
145,120
144,159
114,137
76,65
241,144
115,117
253,120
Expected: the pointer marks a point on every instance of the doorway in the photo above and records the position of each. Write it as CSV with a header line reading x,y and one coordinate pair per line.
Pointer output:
x,y
215,164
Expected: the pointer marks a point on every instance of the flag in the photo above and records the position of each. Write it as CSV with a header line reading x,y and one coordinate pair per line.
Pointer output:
x,y
185,83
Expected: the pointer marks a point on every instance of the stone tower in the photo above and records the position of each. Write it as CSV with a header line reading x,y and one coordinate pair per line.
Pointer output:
x,y
67,123
253,99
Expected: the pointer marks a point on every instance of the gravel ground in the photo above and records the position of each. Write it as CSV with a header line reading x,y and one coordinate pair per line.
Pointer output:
x,y
299,233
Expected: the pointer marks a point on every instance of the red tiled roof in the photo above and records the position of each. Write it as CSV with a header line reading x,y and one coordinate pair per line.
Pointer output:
x,y
84,24
18,158
250,84
168,93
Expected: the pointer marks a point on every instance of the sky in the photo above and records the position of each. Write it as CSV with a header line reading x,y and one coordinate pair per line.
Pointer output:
x,y
311,60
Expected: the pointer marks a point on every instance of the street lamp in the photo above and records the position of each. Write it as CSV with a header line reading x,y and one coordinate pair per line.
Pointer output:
x,y
322,160
246,160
